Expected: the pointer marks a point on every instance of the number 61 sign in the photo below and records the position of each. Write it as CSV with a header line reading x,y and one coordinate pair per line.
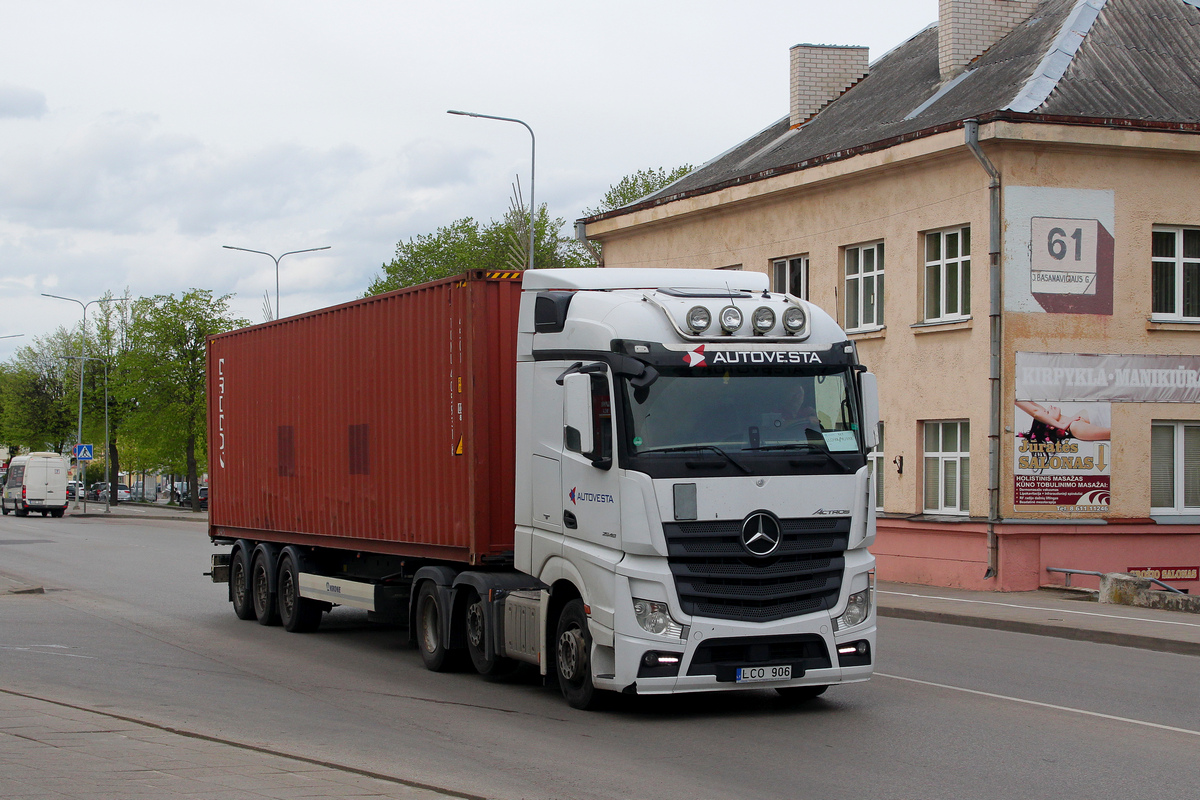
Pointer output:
x,y
1071,263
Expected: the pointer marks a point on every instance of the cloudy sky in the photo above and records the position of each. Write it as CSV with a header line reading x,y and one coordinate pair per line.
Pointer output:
x,y
139,137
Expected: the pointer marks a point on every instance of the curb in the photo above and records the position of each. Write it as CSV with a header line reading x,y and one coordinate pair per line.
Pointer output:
x,y
1138,641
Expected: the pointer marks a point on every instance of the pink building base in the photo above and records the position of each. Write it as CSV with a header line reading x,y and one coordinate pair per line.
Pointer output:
x,y
954,554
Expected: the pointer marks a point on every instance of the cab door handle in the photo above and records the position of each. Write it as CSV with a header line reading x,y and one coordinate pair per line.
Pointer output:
x,y
569,520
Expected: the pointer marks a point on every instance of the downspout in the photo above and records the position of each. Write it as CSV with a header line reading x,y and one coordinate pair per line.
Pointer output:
x,y
971,129
589,245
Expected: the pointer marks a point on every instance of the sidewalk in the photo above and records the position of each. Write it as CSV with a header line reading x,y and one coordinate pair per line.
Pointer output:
x,y
159,510
1048,612
53,750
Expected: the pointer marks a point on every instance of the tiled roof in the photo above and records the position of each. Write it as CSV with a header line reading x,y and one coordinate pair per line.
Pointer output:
x,y
1096,60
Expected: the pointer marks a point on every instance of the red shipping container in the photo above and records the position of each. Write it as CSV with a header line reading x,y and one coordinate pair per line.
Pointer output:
x,y
382,425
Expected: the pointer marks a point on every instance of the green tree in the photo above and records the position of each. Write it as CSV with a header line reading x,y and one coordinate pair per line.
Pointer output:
x,y
38,406
630,189
637,185
111,342
164,375
466,244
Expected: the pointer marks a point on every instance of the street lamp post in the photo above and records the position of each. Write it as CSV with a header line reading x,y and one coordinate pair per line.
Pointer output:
x,y
532,163
82,355
276,260
107,462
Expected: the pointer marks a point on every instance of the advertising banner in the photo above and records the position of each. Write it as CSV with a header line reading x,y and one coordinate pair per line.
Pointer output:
x,y
1062,458
1111,378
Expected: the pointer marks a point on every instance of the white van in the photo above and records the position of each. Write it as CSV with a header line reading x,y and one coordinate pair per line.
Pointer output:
x,y
35,482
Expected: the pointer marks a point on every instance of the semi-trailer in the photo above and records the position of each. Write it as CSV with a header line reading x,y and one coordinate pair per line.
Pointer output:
x,y
639,481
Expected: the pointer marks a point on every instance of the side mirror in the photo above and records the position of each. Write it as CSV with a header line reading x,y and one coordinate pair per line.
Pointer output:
x,y
870,409
577,410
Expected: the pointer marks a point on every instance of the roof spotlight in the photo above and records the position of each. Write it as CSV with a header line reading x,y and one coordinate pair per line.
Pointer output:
x,y
698,319
763,319
794,319
731,318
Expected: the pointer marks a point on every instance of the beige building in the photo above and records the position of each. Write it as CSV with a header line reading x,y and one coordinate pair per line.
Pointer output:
x,y
1004,214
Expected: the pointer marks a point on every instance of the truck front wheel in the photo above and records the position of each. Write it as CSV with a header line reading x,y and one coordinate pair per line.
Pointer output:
x,y
573,647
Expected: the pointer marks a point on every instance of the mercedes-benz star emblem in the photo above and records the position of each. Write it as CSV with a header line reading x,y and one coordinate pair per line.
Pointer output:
x,y
761,534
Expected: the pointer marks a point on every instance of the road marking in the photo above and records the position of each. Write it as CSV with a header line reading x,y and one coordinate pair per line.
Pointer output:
x,y
1043,705
41,649
1041,608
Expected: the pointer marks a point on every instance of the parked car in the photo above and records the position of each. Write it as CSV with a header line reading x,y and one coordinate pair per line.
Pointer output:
x,y
140,493
94,492
123,495
187,499
73,488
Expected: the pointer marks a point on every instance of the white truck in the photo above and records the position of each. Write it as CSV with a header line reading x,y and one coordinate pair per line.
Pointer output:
x,y
685,453
35,482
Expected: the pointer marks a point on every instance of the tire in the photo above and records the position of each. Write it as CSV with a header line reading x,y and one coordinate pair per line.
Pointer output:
x,y
266,608
572,657
57,513
478,631
801,694
21,512
3,508
298,614
45,513
435,650
239,584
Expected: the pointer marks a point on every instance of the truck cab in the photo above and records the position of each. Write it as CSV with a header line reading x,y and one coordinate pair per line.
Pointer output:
x,y
692,483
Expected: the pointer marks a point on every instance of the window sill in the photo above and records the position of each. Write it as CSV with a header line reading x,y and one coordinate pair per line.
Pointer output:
x,y
941,326
1170,518
868,333
1172,325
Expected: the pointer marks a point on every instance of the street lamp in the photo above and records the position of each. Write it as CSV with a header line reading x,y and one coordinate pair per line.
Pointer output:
x,y
82,353
276,260
532,162
12,336
107,463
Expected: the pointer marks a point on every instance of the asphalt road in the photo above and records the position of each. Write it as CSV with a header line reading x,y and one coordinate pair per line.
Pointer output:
x,y
128,625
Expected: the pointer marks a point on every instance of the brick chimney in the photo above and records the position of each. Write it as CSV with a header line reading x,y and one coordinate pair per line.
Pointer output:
x,y
820,73
967,28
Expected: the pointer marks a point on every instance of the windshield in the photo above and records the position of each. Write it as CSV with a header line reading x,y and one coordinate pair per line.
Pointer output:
x,y
741,414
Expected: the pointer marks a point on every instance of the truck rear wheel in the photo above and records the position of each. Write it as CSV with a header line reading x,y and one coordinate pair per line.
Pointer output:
x,y
266,610
298,614
435,651
573,647
239,584
479,631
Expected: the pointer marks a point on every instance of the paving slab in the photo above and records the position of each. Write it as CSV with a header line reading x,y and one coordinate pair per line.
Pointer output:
x,y
53,750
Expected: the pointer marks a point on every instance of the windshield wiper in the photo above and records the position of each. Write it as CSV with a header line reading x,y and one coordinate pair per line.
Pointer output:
x,y
692,447
808,446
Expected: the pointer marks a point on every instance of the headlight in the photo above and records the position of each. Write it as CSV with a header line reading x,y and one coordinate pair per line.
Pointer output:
x,y
764,319
731,318
654,617
794,319
857,611
698,319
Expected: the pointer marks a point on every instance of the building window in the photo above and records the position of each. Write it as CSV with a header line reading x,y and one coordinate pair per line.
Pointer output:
x,y
1175,467
948,274
864,286
790,276
947,467
1175,273
875,468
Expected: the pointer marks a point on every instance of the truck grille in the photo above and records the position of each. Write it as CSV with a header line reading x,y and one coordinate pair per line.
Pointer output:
x,y
715,576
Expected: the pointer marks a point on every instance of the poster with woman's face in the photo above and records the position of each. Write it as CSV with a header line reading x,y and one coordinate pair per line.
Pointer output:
x,y
1062,457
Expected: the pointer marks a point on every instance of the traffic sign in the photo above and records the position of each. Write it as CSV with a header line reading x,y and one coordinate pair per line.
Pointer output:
x,y
83,452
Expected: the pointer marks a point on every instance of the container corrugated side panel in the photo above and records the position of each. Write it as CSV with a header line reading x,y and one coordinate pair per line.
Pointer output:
x,y
289,401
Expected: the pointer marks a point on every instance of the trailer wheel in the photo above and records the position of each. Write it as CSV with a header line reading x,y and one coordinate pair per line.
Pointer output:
x,y
266,610
478,632
801,694
573,646
435,650
298,614
239,584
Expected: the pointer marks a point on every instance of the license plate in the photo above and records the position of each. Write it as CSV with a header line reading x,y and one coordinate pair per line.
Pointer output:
x,y
757,674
